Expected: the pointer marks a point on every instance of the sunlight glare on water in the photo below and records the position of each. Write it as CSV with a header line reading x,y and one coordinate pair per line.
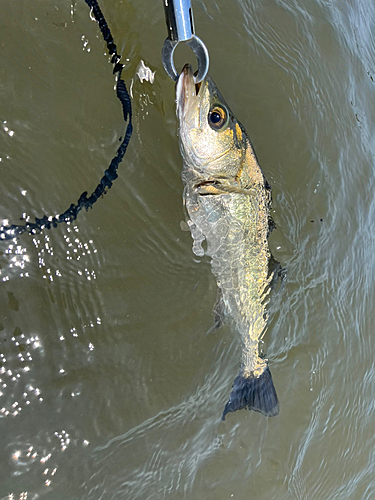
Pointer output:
x,y
112,383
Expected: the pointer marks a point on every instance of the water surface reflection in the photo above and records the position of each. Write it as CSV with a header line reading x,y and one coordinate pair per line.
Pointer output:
x,y
111,385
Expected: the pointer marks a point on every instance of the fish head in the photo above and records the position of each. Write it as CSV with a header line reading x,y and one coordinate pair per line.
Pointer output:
x,y
212,141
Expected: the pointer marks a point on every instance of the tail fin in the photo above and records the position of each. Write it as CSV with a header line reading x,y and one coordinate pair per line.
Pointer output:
x,y
254,393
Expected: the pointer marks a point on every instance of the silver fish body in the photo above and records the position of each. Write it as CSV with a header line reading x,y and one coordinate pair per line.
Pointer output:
x,y
227,200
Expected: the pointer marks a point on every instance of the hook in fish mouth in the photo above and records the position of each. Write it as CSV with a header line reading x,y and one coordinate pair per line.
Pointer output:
x,y
186,89
197,85
188,70
199,50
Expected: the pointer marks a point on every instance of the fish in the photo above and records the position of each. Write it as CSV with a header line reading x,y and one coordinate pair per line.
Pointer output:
x,y
227,200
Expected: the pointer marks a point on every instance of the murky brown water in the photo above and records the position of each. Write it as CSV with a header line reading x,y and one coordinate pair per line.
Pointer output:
x,y
111,386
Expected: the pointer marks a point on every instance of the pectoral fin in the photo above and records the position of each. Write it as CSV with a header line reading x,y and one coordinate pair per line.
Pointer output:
x,y
214,188
207,189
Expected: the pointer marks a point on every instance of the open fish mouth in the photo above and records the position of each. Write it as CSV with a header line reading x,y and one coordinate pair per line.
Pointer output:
x,y
186,91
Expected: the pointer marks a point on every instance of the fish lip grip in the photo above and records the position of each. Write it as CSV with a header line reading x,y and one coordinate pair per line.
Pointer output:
x,y
180,24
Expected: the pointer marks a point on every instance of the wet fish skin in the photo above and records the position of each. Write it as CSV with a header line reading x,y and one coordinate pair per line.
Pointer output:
x,y
227,200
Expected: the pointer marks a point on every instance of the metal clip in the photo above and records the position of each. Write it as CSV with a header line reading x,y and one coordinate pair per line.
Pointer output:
x,y
180,24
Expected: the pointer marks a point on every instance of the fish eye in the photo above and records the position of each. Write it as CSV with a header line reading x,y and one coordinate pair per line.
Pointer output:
x,y
217,117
